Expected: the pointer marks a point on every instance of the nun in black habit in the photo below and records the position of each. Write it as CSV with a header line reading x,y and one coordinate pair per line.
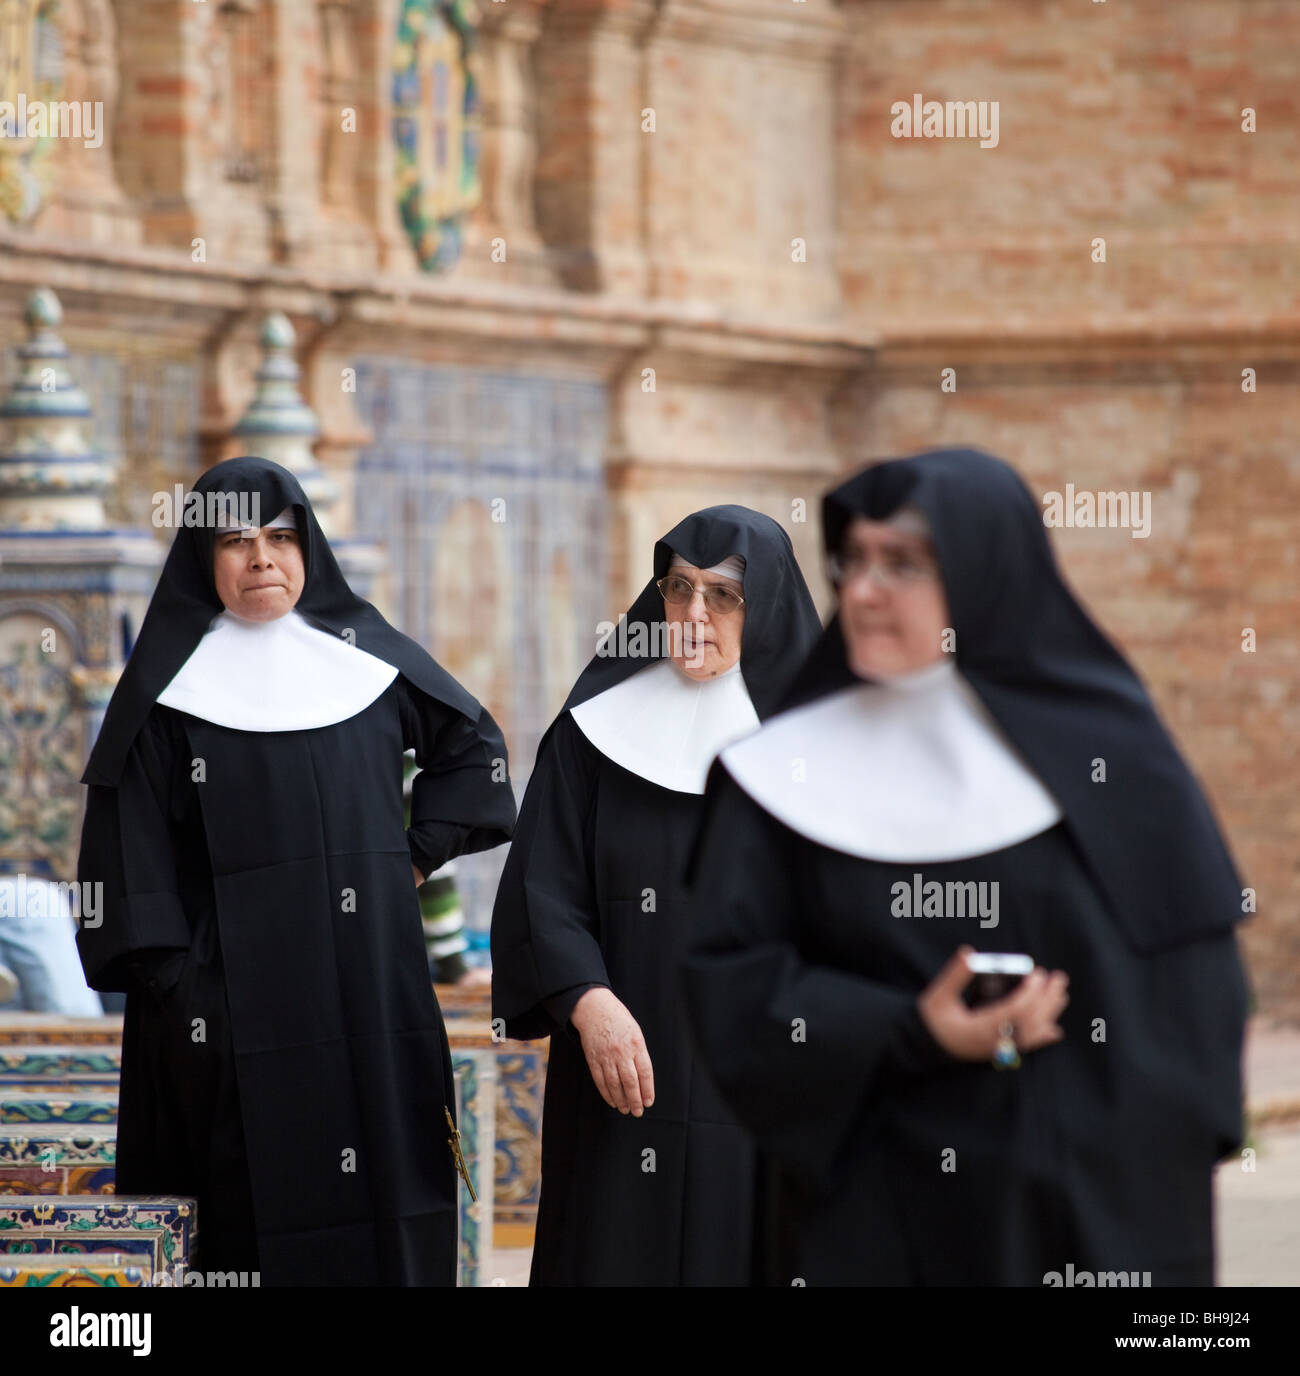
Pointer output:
x,y
967,763
284,1057
647,1179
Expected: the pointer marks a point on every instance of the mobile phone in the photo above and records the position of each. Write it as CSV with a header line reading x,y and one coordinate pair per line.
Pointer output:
x,y
996,975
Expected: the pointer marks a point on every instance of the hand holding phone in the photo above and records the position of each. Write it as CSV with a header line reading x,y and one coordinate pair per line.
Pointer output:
x,y
972,1034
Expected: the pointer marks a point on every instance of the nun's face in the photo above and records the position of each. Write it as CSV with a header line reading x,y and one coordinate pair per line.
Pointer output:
x,y
703,642
893,609
259,573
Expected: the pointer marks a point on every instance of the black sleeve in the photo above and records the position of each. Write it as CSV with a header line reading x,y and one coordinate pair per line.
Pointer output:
x,y
545,926
461,800
1197,998
797,1048
560,1006
127,848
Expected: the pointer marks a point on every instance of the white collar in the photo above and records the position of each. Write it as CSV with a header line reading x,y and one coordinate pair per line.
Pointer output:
x,y
281,675
907,770
666,727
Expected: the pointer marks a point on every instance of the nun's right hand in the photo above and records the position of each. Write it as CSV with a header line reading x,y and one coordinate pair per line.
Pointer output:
x,y
971,1034
615,1050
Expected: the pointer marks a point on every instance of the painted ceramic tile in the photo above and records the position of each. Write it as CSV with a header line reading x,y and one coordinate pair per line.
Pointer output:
x,y
465,1075
159,1229
73,1064
112,1270
55,1144
33,1180
40,1029
90,1179
93,1104
521,1082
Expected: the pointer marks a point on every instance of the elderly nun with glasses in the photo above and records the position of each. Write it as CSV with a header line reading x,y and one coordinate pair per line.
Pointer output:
x,y
647,1178
964,957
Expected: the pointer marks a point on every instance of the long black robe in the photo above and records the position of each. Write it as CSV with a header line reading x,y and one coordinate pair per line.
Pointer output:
x,y
667,1198
1097,1152
306,1109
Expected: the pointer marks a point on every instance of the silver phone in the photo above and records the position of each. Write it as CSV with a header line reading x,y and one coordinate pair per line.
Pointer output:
x,y
997,974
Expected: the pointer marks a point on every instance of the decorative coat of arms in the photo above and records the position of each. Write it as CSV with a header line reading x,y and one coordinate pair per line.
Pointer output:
x,y
436,125
31,72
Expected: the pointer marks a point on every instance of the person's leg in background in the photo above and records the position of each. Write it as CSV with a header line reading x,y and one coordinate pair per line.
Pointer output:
x,y
37,944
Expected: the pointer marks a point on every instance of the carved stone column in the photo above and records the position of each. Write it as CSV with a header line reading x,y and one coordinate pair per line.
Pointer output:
x,y
87,202
509,33
72,595
375,28
590,190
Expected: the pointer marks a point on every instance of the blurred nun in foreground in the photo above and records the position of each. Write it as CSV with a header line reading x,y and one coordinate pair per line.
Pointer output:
x,y
912,804
646,1177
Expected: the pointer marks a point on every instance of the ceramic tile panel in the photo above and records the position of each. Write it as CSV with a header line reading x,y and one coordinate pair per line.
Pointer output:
x,y
52,1145
521,1084
475,1077
111,1270
20,1104
40,1029
23,1063
506,475
160,1230
28,1180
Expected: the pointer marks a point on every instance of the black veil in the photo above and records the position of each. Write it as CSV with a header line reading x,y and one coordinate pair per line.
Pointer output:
x,y
781,621
185,601
1063,694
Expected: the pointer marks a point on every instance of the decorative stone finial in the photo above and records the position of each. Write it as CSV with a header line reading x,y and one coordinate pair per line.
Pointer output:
x,y
279,425
51,475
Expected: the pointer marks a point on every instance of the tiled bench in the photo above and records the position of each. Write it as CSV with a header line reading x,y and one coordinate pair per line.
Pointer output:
x,y
58,1111
109,1269
63,1054
154,1234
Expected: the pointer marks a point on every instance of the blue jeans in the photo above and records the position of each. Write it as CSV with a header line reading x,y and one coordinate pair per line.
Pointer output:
x,y
40,948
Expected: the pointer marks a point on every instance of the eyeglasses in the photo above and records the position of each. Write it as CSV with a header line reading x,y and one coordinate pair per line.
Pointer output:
x,y
895,570
717,598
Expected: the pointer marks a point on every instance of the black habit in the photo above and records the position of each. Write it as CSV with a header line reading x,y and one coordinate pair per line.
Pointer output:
x,y
284,1057
668,1198
901,1165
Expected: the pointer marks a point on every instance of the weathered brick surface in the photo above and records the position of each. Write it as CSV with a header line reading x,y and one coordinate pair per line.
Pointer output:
x,y
1116,120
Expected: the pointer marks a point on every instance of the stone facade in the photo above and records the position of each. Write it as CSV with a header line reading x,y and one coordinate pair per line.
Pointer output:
x,y
685,231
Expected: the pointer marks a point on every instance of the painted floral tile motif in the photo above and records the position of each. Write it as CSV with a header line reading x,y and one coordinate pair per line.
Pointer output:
x,y
158,1231
114,1270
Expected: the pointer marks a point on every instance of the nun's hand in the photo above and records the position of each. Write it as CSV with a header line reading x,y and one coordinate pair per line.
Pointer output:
x,y
415,870
615,1050
971,1034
